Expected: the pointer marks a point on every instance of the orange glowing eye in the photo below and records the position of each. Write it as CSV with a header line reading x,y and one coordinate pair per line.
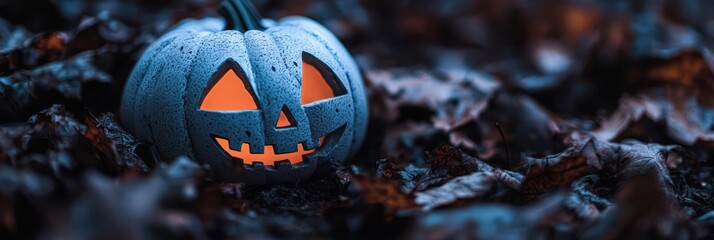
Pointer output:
x,y
231,92
318,82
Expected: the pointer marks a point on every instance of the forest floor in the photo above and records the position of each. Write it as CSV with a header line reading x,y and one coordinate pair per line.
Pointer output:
x,y
546,119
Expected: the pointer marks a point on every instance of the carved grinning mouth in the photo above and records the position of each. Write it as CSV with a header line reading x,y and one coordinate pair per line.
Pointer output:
x,y
269,157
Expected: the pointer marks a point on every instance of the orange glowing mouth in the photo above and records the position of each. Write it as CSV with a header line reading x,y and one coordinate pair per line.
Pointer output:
x,y
268,157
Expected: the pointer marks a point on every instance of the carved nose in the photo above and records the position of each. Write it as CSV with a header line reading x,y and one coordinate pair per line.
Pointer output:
x,y
286,119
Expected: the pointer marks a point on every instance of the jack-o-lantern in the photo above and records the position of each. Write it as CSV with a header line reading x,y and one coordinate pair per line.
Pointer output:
x,y
258,105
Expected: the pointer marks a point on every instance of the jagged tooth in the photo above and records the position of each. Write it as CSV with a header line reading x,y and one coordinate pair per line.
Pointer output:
x,y
259,148
258,166
237,163
283,165
307,160
313,146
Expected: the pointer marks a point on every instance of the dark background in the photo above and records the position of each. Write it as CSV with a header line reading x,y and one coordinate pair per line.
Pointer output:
x,y
604,113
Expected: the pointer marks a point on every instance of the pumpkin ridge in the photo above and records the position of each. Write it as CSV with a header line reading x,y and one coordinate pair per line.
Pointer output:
x,y
260,43
251,76
187,75
153,71
356,85
327,45
282,58
282,41
155,89
136,80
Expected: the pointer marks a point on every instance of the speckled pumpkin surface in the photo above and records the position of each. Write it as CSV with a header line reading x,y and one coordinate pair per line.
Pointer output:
x,y
272,105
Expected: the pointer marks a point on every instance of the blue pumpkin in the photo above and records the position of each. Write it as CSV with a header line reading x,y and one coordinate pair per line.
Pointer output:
x,y
256,104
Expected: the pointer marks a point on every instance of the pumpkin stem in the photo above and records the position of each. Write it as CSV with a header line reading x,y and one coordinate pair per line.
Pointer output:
x,y
240,15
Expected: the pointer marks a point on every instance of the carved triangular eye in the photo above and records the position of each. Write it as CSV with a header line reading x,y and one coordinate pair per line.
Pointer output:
x,y
318,81
229,93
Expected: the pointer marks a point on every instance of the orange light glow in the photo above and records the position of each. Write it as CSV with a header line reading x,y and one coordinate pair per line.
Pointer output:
x,y
283,120
229,94
314,85
268,157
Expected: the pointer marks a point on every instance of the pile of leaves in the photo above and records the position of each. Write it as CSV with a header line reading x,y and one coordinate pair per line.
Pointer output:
x,y
546,119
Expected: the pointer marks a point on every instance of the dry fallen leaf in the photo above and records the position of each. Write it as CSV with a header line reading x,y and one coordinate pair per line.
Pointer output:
x,y
463,187
110,139
440,75
588,155
686,120
643,212
490,221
